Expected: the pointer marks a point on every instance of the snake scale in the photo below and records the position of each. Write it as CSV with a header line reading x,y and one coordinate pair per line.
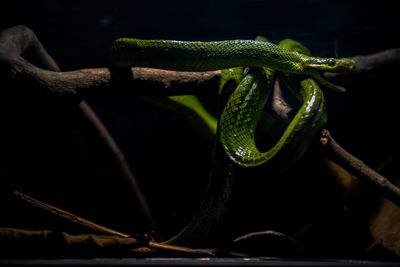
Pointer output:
x,y
245,106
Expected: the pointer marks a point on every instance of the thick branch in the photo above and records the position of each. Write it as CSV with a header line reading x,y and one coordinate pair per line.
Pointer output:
x,y
358,168
142,81
371,62
20,243
378,60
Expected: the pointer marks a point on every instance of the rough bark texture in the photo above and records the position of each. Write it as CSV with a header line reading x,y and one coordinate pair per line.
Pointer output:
x,y
21,243
142,81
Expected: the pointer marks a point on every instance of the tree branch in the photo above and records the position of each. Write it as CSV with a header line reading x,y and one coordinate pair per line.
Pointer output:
x,y
358,168
21,243
113,235
67,215
369,63
20,40
123,163
142,81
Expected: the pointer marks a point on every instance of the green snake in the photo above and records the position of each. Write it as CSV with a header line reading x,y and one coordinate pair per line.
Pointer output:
x,y
238,122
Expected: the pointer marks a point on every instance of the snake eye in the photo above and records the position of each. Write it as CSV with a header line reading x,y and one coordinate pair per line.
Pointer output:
x,y
331,62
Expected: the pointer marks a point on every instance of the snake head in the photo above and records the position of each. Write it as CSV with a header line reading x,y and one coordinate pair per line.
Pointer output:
x,y
313,65
330,64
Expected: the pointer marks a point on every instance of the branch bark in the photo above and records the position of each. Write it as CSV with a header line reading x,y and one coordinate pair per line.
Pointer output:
x,y
21,243
113,238
368,63
46,76
358,168
67,215
140,81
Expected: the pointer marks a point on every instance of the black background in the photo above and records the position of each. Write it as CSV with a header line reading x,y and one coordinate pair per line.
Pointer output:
x,y
51,152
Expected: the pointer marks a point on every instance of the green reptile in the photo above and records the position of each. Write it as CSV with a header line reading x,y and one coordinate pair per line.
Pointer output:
x,y
217,55
239,119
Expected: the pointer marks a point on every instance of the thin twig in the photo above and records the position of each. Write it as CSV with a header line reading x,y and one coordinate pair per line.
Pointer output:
x,y
67,215
180,249
126,170
358,168
21,40
94,226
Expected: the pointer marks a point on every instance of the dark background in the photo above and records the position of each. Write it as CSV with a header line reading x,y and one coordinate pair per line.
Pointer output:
x,y
51,152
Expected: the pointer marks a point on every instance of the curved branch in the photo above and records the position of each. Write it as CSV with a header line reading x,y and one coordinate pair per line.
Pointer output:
x,y
142,81
20,40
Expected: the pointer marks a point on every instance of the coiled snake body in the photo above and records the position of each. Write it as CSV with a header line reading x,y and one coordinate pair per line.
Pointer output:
x,y
239,118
